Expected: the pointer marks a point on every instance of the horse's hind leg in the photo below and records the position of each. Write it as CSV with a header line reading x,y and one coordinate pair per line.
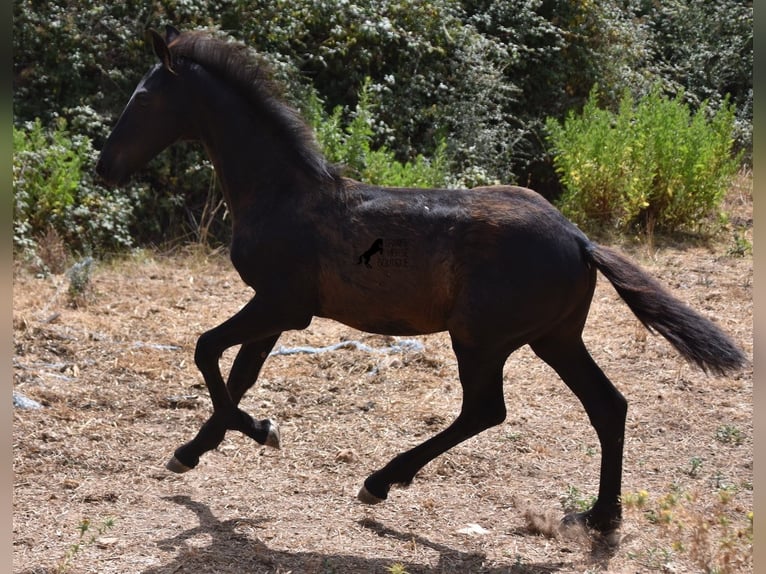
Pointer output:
x,y
481,377
607,410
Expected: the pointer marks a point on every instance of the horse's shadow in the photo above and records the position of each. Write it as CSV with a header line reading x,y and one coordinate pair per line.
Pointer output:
x,y
229,550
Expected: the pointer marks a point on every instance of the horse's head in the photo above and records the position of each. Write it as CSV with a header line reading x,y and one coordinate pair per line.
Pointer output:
x,y
153,119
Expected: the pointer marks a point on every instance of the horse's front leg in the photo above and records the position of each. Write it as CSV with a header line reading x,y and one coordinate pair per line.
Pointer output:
x,y
256,327
244,372
247,366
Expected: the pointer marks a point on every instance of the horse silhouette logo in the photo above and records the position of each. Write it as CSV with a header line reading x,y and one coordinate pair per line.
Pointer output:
x,y
376,247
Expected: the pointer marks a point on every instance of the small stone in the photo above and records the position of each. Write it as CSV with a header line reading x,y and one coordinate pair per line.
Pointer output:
x,y
473,530
106,542
22,402
346,455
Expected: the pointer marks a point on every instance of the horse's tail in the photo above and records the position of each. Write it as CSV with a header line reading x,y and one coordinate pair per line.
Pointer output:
x,y
696,338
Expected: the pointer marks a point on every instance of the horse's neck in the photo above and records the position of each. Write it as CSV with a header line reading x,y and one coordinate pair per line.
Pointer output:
x,y
249,159
232,143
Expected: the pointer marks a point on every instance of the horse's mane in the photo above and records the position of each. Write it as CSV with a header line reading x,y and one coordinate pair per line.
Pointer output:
x,y
239,66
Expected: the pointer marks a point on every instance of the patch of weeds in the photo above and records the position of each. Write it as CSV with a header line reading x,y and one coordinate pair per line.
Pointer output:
x,y
719,481
84,540
80,287
719,542
696,465
51,252
716,534
397,568
513,436
741,245
663,514
726,494
637,500
655,559
729,434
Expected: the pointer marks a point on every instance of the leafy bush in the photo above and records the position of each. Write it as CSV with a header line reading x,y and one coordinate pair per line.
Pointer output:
x,y
406,48
654,163
81,60
54,189
351,145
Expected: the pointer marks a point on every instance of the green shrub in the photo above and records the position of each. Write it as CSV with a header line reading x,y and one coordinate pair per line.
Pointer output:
x,y
351,145
654,163
54,190
384,169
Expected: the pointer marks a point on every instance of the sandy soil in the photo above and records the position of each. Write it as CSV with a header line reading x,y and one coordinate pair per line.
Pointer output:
x,y
120,392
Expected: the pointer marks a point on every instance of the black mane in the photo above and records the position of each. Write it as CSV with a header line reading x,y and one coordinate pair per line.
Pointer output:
x,y
243,69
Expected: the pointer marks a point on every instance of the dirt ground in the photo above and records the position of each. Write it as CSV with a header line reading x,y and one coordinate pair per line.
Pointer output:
x,y
119,392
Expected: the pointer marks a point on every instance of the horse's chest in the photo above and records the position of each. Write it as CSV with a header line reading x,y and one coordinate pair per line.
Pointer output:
x,y
270,259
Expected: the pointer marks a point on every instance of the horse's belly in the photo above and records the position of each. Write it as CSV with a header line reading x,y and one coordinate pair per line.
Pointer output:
x,y
389,302
390,323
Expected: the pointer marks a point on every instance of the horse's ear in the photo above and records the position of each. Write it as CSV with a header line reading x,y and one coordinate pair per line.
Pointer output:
x,y
160,47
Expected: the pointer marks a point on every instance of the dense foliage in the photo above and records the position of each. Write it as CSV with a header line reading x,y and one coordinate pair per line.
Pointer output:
x,y
351,145
55,192
705,50
469,83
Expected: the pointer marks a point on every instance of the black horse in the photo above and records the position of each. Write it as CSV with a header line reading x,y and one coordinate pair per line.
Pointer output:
x,y
496,267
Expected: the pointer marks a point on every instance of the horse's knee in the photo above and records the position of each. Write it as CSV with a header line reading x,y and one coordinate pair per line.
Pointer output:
x,y
207,351
498,412
202,350
494,415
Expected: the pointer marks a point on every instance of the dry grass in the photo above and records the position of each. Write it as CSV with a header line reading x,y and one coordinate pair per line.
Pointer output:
x,y
120,393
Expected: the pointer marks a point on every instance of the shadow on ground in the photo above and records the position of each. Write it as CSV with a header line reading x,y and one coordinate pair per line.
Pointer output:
x,y
230,550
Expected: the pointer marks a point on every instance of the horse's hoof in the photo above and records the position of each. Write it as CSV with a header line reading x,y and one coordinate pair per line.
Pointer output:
x,y
609,536
367,497
272,438
175,465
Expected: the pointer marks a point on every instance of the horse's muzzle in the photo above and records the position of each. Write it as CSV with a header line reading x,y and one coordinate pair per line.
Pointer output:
x,y
107,174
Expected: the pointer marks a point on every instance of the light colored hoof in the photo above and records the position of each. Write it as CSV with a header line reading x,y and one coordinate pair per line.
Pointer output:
x,y
174,465
367,497
272,439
